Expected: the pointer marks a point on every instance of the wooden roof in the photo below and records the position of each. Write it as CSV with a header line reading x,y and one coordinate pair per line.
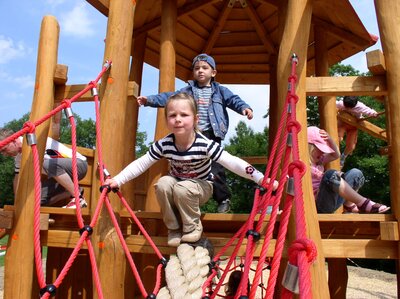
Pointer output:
x,y
242,34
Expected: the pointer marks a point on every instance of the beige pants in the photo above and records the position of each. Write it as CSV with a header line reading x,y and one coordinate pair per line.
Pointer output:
x,y
180,201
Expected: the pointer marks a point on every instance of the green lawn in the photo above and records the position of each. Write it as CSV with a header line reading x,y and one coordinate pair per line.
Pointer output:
x,y
4,241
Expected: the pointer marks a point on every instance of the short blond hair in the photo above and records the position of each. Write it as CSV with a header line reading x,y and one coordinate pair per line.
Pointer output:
x,y
182,96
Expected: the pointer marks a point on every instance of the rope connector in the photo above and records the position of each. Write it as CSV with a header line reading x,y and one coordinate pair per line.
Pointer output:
x,y
295,58
290,186
212,265
264,190
151,296
68,112
50,288
289,140
108,187
94,92
243,297
163,262
107,64
291,278
86,228
31,138
256,235
205,297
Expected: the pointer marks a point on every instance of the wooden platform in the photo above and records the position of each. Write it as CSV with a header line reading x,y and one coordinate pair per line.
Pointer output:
x,y
343,235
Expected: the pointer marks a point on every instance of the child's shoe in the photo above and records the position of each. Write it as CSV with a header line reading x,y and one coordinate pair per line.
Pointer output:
x,y
174,238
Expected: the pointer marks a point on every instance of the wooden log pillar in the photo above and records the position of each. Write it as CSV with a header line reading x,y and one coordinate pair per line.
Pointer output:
x,y
274,114
295,40
20,275
338,275
388,12
275,104
114,98
132,113
166,83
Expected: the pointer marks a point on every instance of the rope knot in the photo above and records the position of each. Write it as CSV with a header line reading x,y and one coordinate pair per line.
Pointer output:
x,y
293,126
297,165
30,126
305,245
93,84
66,103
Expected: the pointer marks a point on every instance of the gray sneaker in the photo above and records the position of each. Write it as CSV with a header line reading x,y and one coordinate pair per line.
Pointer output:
x,y
224,206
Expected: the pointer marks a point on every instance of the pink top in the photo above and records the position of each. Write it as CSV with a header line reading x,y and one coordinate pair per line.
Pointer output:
x,y
358,111
317,172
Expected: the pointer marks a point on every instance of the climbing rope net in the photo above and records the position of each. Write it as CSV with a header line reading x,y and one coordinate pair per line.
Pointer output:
x,y
193,272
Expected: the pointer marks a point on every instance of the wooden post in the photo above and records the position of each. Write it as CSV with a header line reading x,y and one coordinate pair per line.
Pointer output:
x,y
328,119
114,98
295,40
388,12
19,262
135,75
274,114
166,83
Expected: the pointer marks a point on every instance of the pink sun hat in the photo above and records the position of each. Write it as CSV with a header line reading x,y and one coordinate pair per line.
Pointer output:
x,y
315,138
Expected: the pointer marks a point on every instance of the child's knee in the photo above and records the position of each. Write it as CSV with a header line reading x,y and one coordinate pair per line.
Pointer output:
x,y
186,190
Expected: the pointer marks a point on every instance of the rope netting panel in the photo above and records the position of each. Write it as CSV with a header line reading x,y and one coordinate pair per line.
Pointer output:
x,y
283,159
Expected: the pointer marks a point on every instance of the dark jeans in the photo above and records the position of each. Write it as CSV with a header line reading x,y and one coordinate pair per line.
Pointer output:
x,y
328,199
220,188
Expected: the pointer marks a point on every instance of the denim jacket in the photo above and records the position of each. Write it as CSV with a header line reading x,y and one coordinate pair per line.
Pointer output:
x,y
221,98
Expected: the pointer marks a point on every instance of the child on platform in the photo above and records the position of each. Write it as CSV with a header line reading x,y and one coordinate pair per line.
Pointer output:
x,y
212,101
333,188
187,185
356,108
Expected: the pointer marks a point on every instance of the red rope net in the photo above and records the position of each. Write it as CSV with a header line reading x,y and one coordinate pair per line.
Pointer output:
x,y
284,157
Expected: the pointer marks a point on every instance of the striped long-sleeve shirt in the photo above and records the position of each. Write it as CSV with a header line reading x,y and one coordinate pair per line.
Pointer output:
x,y
194,163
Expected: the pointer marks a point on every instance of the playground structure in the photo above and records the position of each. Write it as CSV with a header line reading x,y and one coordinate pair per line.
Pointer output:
x,y
252,42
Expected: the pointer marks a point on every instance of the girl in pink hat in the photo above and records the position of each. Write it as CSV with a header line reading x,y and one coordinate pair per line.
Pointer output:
x,y
334,188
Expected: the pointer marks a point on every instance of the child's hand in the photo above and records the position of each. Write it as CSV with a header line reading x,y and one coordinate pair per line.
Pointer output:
x,y
248,112
274,185
113,184
142,100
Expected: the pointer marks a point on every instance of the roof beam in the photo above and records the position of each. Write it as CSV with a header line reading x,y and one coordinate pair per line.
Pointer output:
x,y
223,16
261,31
184,10
339,33
101,5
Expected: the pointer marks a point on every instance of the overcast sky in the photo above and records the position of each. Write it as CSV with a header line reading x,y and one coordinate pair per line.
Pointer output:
x,y
81,47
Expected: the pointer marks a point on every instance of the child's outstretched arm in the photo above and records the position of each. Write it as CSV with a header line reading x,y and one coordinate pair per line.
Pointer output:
x,y
131,171
243,169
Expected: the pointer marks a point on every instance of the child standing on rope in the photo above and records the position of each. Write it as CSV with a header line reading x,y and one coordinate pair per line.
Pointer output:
x,y
212,101
188,184
333,188
356,108
57,165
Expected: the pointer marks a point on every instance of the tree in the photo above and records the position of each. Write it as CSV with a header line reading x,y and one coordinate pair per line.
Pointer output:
x,y
245,143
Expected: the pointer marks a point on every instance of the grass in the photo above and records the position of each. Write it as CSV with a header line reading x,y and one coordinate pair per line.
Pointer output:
x,y
4,241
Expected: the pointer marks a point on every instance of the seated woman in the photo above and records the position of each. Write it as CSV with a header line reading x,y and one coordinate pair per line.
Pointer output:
x,y
334,188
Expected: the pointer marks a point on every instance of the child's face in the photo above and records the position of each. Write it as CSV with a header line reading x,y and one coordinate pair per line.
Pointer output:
x,y
180,117
316,155
203,72
11,149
